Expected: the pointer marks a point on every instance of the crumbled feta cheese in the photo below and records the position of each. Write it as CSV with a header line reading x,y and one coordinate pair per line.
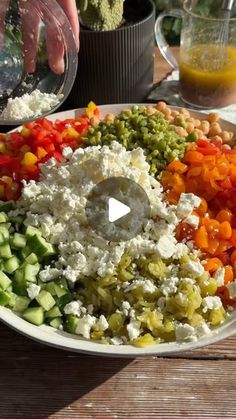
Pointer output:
x,y
192,220
49,274
186,204
169,286
194,268
185,332
211,303
219,276
102,323
133,329
146,284
125,307
203,329
180,250
165,247
30,105
33,291
116,341
74,308
67,152
84,325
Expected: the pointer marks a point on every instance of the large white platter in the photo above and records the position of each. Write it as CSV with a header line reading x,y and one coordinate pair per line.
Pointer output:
x,y
63,340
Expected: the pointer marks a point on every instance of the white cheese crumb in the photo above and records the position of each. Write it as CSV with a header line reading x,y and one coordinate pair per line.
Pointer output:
x,y
74,307
194,268
33,291
219,276
165,247
185,332
116,341
192,220
211,303
102,323
133,329
203,329
146,284
30,105
186,204
169,286
84,326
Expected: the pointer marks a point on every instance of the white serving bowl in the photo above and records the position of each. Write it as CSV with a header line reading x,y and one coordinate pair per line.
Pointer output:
x,y
62,340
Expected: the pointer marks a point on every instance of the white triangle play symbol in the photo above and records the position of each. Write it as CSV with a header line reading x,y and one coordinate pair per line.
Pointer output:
x,y
116,210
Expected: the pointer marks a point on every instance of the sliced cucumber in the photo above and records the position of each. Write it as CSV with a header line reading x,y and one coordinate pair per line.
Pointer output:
x,y
5,251
31,259
71,324
11,265
46,300
25,252
34,315
5,282
56,323
5,298
21,304
32,231
31,271
18,241
4,232
54,312
3,217
65,299
19,283
39,246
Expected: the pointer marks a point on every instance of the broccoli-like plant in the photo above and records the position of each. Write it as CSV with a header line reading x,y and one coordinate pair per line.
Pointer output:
x,y
101,15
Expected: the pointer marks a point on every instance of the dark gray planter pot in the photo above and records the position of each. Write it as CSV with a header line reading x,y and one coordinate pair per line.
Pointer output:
x,y
116,66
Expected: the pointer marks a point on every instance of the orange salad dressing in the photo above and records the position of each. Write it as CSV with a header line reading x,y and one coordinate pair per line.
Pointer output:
x,y
208,75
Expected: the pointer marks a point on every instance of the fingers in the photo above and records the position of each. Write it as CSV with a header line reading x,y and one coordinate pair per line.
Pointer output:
x,y
70,9
55,47
3,9
30,19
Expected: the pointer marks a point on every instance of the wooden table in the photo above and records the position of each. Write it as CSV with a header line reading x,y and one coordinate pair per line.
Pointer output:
x,y
38,382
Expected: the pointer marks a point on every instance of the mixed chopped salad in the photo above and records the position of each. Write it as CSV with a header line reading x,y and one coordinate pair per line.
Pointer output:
x,y
176,281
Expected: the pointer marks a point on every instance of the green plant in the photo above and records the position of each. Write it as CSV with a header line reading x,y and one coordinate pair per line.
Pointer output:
x,y
101,15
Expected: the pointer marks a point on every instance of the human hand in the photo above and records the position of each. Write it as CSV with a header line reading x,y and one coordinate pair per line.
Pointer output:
x,y
30,11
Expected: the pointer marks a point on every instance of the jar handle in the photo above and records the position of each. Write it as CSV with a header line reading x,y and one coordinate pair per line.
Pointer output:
x,y
161,40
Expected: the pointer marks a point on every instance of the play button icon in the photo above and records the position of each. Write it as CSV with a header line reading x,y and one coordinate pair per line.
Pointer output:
x,y
117,209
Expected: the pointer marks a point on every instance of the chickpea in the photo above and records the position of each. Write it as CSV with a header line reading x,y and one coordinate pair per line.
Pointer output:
x,y
226,147
109,117
190,120
94,120
225,135
161,106
213,117
150,110
199,133
197,123
205,126
185,112
167,113
181,131
215,129
174,113
190,127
